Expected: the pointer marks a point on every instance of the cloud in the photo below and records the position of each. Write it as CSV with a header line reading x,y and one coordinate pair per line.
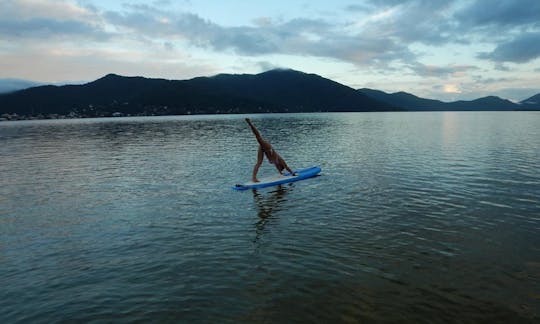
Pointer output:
x,y
499,13
373,4
301,36
362,7
381,37
57,10
65,38
501,23
263,21
168,46
441,71
50,28
70,64
27,19
451,88
435,23
266,66
421,21
522,49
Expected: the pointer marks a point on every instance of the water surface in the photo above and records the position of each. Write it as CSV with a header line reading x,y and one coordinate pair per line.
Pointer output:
x,y
417,217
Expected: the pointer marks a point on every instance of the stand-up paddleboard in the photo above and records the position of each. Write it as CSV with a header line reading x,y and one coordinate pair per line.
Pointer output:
x,y
301,174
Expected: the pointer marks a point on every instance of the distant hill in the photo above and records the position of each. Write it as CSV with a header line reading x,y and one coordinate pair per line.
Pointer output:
x,y
405,100
408,101
485,103
10,85
272,91
290,91
532,103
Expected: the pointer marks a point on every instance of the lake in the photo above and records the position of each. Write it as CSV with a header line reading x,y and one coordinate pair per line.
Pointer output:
x,y
416,217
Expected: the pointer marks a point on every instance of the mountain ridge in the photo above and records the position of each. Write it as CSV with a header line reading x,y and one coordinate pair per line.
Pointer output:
x,y
409,101
279,90
11,84
531,102
271,91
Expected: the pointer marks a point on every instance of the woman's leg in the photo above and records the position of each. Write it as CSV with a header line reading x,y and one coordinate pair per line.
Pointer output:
x,y
264,144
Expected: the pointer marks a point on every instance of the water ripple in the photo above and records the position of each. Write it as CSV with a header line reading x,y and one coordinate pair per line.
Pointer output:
x,y
418,217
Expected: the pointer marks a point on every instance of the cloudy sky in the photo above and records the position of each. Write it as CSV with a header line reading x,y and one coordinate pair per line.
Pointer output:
x,y
451,49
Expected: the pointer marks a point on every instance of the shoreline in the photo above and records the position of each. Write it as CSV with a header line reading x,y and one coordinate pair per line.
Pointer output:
x,y
16,117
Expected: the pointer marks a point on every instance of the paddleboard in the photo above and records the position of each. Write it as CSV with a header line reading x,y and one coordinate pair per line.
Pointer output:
x,y
301,174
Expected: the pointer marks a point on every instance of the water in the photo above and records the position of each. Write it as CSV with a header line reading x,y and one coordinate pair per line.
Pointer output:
x,y
417,217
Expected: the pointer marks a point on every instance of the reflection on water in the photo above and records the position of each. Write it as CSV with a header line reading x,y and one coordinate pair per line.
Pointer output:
x,y
419,217
269,203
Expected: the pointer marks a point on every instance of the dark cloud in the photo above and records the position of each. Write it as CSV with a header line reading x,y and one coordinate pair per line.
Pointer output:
x,y
440,22
45,20
265,66
489,80
384,34
245,40
374,5
168,46
500,13
358,7
49,28
512,26
440,71
162,2
150,22
310,37
522,49
410,21
464,14
501,66
422,22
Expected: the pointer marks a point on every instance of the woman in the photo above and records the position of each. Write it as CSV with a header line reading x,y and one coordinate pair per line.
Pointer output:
x,y
271,154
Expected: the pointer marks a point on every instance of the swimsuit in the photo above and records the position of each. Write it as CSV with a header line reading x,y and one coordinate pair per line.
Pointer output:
x,y
275,161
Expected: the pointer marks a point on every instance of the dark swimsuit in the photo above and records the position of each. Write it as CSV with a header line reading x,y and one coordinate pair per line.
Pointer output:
x,y
276,159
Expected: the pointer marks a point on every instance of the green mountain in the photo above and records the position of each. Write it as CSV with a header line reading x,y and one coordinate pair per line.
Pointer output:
x,y
404,100
272,91
408,101
10,85
532,103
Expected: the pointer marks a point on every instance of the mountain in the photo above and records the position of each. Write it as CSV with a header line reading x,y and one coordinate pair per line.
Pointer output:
x,y
404,100
103,97
271,91
289,91
485,103
408,101
531,103
10,85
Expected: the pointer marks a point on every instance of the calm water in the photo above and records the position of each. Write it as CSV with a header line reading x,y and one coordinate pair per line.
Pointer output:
x,y
417,217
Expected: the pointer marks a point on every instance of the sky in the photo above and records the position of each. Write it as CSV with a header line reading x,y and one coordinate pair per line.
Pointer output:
x,y
446,50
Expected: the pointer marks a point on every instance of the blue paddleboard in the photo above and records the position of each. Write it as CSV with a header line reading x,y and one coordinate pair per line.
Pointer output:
x,y
301,174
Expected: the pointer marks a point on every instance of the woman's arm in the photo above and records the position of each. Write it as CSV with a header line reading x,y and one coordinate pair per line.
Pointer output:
x,y
284,164
289,169
257,165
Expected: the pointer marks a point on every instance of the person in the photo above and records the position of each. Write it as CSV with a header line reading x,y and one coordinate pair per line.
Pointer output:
x,y
266,149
